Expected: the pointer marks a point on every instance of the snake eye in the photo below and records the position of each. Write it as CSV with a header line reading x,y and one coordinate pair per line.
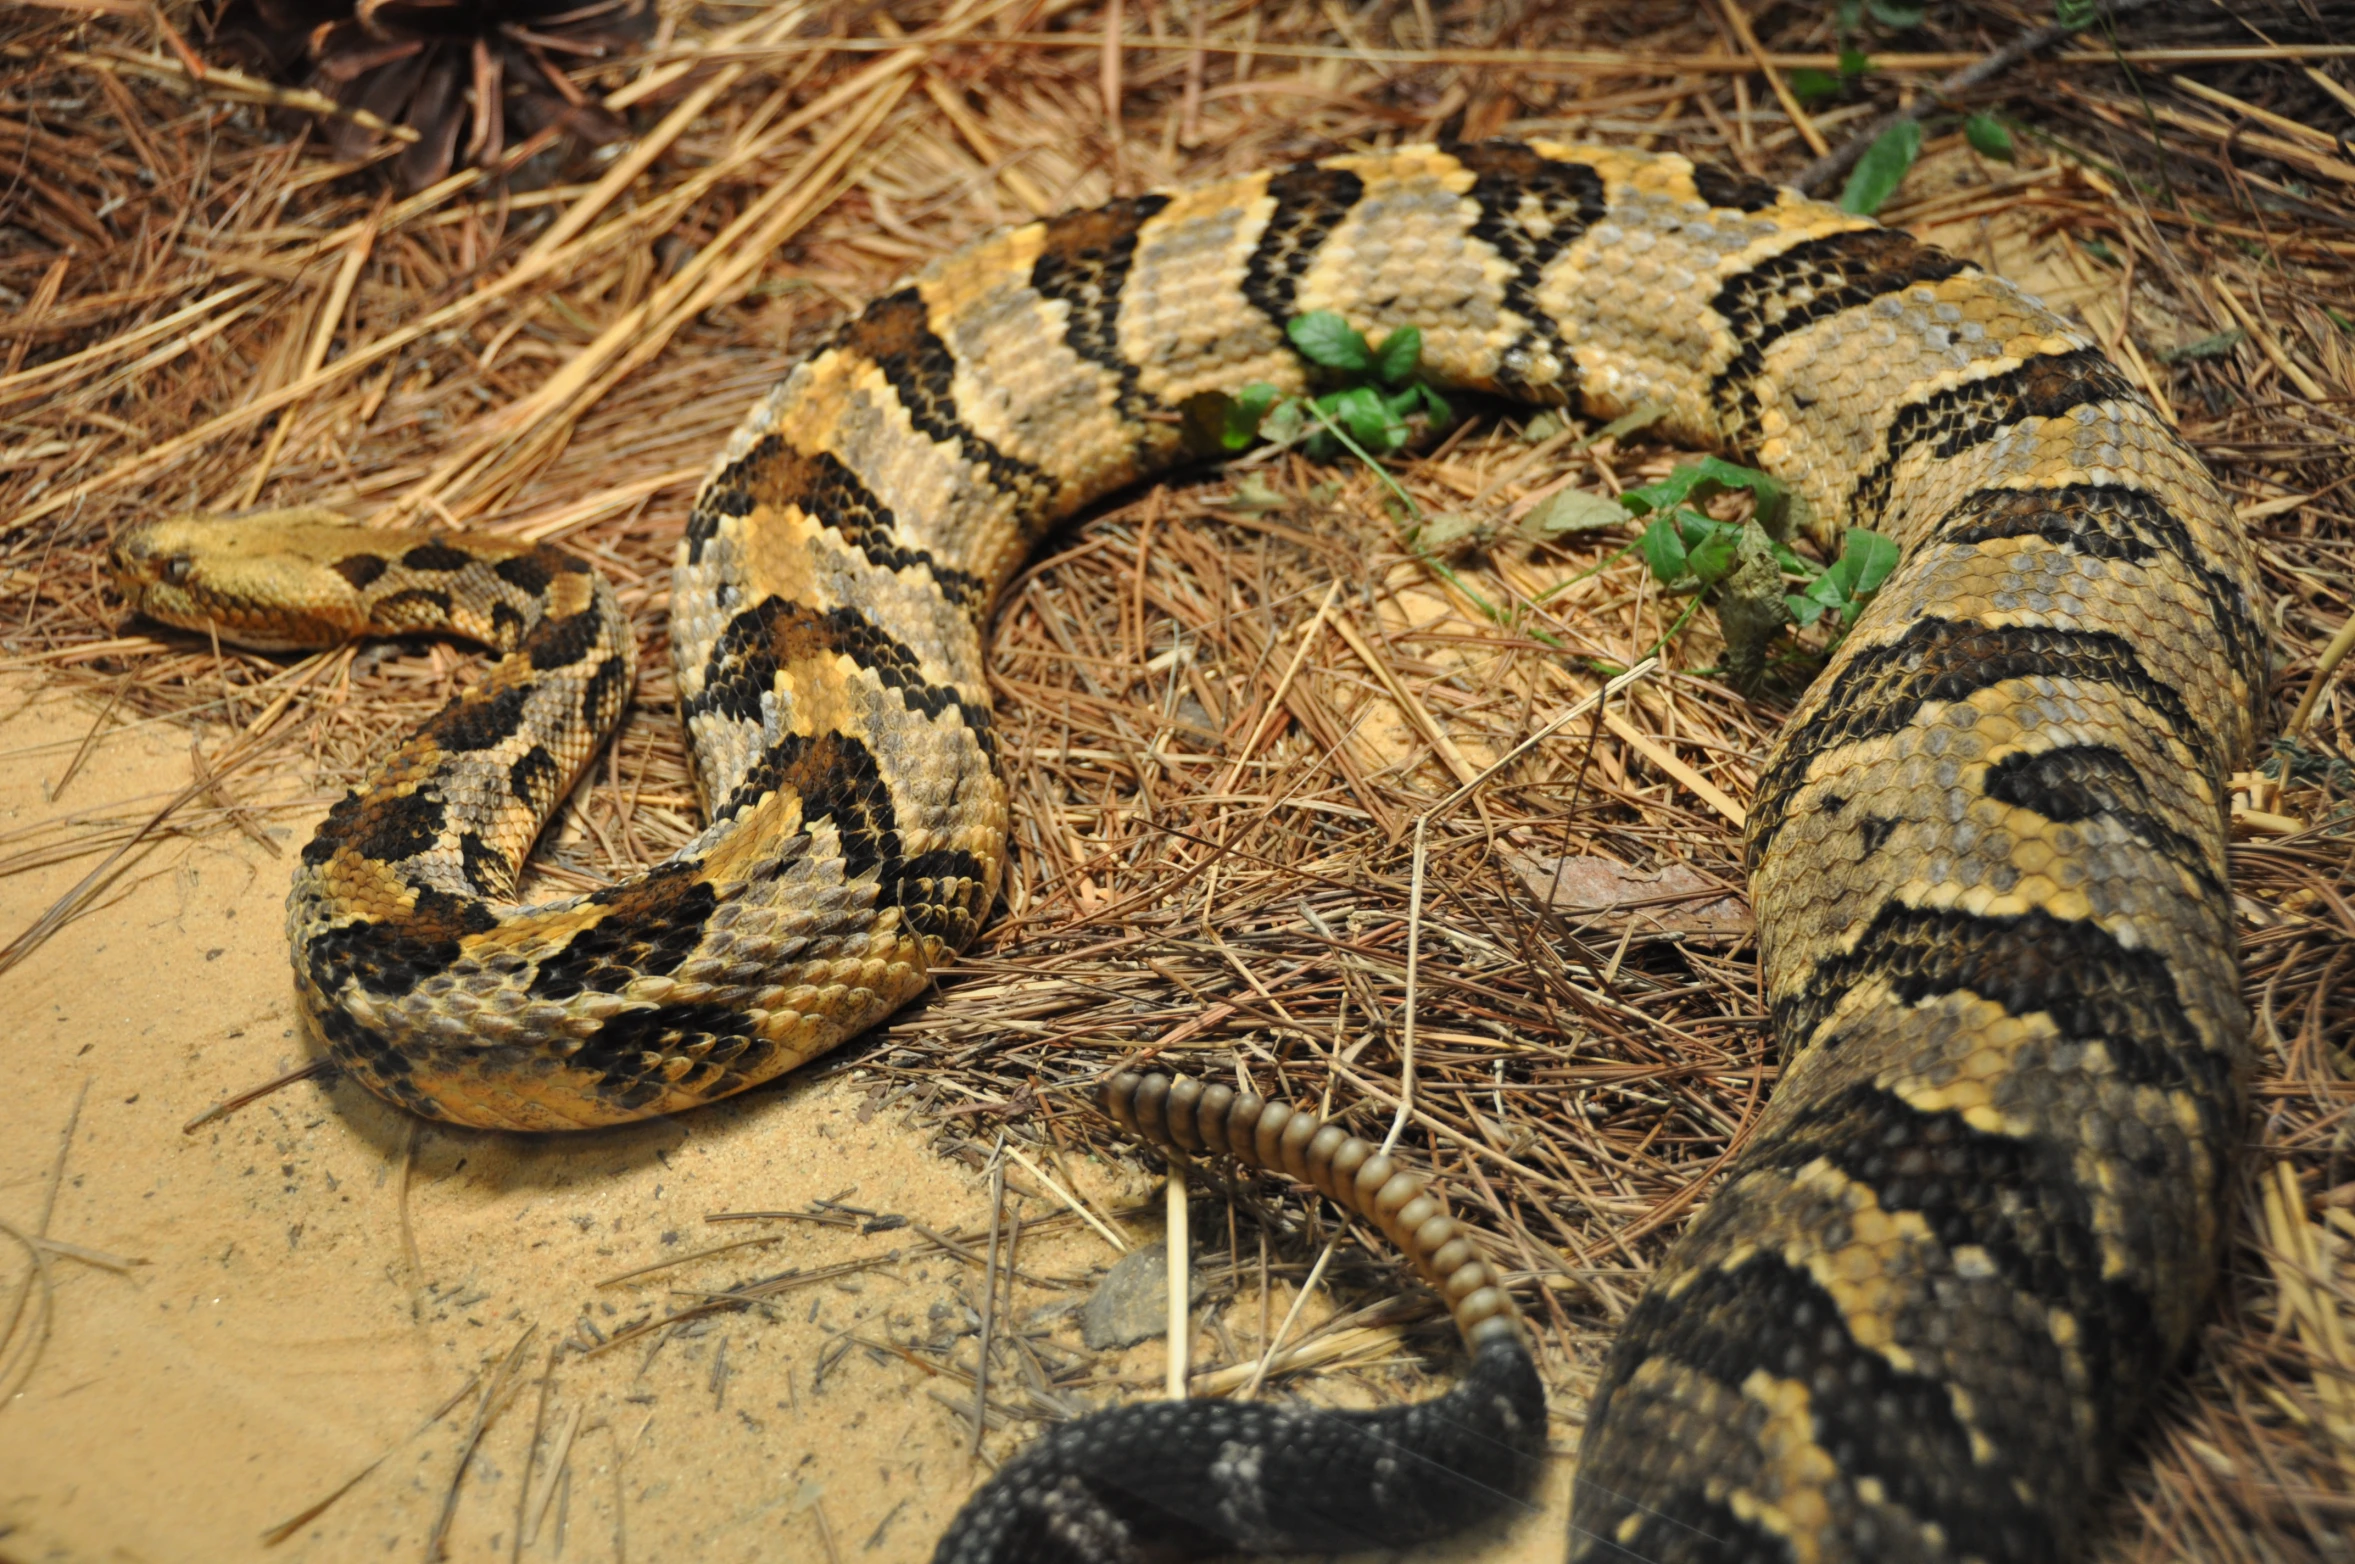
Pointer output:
x,y
176,569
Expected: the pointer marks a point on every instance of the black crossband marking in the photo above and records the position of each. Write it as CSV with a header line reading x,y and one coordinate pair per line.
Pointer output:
x,y
1725,189
385,825
1310,203
391,957
1084,261
1882,688
837,779
2076,782
527,573
2111,521
2075,972
775,634
361,570
1809,282
1875,1420
601,697
485,867
824,488
649,926
533,780
895,334
1977,411
437,557
2021,1204
628,1050
1531,209
478,720
559,643
357,1048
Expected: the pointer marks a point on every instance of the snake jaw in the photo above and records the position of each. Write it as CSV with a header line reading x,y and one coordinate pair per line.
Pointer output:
x,y
161,577
266,581
140,563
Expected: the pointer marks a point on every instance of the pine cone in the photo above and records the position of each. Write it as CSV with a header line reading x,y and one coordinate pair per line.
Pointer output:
x,y
467,75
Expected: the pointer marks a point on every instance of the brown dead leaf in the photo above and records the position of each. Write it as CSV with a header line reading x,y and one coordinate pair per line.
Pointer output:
x,y
1671,899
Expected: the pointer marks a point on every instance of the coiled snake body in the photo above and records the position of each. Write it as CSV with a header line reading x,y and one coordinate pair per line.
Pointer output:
x,y
1922,1313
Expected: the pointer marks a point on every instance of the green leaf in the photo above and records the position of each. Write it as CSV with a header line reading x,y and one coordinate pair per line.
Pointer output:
x,y
1395,359
1250,405
1987,137
1698,480
2074,13
1325,338
1854,63
1848,15
1882,168
1573,510
1642,416
1891,14
1792,564
1436,405
1804,610
1452,535
1866,559
1284,422
1811,86
2207,347
1361,412
1664,549
2101,252
1715,556
1828,590
1217,424
1244,415
1874,555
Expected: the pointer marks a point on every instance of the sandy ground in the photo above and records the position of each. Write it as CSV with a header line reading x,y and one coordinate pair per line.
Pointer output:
x,y
330,1302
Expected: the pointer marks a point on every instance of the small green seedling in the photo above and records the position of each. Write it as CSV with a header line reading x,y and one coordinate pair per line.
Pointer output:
x,y
1370,393
1745,570
1988,136
1882,168
1740,568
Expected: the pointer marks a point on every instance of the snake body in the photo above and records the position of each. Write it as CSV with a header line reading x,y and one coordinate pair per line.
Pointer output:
x,y
1923,1312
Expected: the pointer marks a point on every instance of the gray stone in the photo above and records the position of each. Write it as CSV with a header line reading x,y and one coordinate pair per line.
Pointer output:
x,y
1131,1303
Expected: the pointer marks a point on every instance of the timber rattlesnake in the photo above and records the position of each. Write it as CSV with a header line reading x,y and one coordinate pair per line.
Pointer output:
x,y
1921,1314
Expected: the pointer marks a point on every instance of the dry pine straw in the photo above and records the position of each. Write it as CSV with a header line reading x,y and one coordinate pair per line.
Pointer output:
x,y
1217,758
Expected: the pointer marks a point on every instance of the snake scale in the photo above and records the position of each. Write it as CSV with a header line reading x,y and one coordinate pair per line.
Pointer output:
x,y
1923,1312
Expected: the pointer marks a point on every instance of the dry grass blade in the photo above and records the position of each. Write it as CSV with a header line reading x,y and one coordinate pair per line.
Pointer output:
x,y
62,911
311,1512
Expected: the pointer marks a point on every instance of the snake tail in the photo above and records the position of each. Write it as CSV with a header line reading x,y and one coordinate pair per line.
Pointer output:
x,y
1170,1480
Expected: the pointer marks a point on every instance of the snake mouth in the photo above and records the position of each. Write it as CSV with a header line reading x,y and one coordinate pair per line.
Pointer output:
x,y
222,575
155,581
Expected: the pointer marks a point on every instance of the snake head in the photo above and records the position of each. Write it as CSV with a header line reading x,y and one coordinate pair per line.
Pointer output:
x,y
265,580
